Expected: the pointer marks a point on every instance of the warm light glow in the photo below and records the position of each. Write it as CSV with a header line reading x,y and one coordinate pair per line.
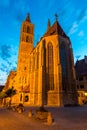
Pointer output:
x,y
85,94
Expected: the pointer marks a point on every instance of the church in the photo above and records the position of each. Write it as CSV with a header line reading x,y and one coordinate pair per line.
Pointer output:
x,y
45,74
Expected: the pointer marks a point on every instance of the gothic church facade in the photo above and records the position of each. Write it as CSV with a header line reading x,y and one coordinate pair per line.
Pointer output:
x,y
45,74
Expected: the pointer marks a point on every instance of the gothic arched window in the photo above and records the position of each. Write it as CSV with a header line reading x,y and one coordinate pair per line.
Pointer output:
x,y
27,39
26,98
28,29
50,67
63,60
24,28
43,53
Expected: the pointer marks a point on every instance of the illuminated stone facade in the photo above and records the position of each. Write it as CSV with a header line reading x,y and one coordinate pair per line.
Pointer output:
x,y
45,74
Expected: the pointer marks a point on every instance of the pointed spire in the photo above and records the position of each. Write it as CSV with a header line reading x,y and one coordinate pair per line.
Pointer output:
x,y
48,24
56,16
28,18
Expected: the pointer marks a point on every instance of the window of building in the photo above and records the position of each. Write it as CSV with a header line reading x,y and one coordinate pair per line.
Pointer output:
x,y
27,39
25,79
78,94
63,59
31,39
30,64
26,98
81,86
33,61
25,68
86,77
77,86
76,78
37,57
43,53
21,97
80,78
82,95
50,67
28,29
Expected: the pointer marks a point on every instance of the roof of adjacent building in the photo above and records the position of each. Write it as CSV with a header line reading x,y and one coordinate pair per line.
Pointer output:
x,y
1,87
81,67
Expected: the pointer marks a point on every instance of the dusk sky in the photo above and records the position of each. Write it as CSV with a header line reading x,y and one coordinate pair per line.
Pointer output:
x,y
72,16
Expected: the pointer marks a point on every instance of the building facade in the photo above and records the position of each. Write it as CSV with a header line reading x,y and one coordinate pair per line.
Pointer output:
x,y
81,80
45,73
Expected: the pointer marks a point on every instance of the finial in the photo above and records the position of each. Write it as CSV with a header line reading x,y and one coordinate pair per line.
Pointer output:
x,y
28,17
48,24
56,16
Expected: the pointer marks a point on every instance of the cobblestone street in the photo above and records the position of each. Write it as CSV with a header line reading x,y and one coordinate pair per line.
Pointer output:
x,y
65,118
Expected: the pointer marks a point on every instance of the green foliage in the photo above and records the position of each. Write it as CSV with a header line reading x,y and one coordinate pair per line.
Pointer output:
x,y
3,95
8,93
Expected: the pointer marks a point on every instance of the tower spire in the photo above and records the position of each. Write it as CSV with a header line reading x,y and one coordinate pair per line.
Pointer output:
x,y
56,16
48,24
28,18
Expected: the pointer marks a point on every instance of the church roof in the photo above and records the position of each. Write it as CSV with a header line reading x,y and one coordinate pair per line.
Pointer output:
x,y
55,29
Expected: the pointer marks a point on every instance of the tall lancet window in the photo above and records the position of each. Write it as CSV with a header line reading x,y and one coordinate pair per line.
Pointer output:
x,y
24,28
28,29
43,54
63,60
50,67
27,39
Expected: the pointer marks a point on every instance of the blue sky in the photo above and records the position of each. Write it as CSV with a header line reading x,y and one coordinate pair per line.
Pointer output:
x,y
72,16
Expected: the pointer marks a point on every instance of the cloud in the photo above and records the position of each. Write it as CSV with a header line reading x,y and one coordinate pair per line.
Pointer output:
x,y
5,51
78,56
9,63
14,68
3,76
73,28
4,68
81,33
82,15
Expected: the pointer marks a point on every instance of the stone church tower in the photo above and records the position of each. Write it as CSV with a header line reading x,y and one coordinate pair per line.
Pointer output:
x,y
26,46
45,74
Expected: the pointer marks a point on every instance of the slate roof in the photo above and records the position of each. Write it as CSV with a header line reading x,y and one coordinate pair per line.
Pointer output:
x,y
55,29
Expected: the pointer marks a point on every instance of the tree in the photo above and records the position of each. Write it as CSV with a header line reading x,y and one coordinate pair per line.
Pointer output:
x,y
3,95
10,92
